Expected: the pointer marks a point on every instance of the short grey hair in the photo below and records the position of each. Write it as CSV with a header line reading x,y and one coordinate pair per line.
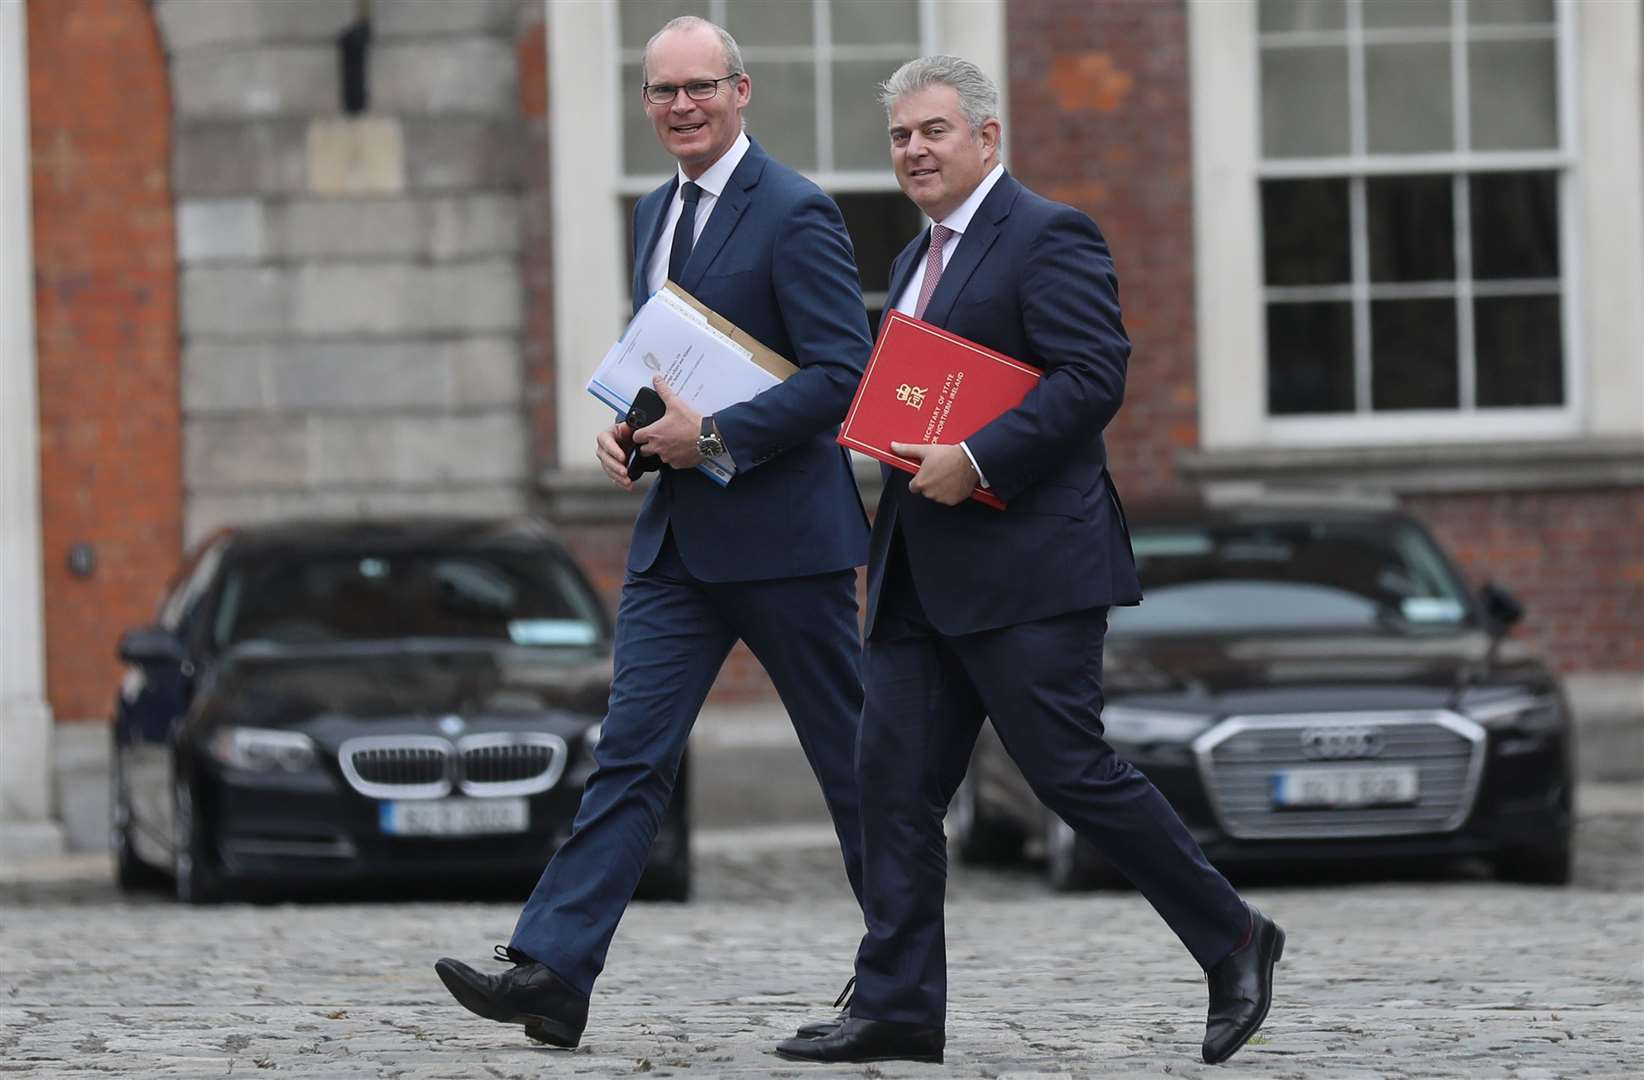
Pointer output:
x,y
978,96
733,54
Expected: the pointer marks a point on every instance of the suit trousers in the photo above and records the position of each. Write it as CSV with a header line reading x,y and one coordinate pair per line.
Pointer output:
x,y
1041,684
673,633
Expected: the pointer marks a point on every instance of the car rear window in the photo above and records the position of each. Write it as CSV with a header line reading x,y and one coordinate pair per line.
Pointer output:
x,y
523,598
1243,577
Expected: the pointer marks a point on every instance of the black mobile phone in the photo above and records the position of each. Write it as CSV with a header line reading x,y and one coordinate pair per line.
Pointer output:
x,y
647,409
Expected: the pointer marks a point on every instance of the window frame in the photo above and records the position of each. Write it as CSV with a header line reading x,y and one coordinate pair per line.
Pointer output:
x,y
1229,166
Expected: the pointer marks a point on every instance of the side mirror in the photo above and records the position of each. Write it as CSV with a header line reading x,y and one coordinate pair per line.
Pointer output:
x,y
151,645
1501,607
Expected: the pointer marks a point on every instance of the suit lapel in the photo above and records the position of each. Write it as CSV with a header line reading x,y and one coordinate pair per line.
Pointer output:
x,y
973,247
726,213
653,211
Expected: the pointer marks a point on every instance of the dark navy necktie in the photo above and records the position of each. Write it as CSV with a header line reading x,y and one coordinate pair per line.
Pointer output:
x,y
684,232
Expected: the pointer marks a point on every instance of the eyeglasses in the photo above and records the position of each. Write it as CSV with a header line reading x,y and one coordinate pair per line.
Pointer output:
x,y
701,90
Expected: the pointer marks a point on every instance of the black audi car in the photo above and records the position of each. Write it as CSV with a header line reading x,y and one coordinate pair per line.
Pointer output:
x,y
1311,684
337,702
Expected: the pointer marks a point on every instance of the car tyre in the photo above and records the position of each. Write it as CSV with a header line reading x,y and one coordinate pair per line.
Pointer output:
x,y
1071,864
197,879
131,874
979,837
1536,866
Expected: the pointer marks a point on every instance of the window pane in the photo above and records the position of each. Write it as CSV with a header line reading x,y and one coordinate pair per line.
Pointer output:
x,y
642,18
1388,13
1304,102
1515,225
1280,16
876,22
1305,232
760,22
782,114
880,223
1520,348
1509,11
642,154
1514,95
1413,354
1309,358
1408,95
859,126
1412,228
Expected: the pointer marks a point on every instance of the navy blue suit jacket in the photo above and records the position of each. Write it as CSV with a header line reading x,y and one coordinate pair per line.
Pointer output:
x,y
1031,279
775,259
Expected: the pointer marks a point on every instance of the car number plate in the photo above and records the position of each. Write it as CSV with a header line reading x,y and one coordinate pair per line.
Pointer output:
x,y
454,817
1391,785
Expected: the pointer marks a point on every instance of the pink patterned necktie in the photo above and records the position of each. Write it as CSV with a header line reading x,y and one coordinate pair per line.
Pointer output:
x,y
933,268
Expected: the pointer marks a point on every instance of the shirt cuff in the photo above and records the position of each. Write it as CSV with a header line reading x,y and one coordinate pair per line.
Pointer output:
x,y
981,481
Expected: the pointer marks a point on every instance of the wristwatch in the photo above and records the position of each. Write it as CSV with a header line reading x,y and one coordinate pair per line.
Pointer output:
x,y
709,444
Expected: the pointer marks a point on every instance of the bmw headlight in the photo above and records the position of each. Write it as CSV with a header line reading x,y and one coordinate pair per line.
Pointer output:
x,y
1521,712
1140,726
262,749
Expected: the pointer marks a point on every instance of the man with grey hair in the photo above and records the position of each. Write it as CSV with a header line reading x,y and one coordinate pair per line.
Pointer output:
x,y
768,559
975,612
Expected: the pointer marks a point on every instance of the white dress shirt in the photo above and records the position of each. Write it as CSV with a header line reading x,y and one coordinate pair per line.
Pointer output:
x,y
957,221
712,182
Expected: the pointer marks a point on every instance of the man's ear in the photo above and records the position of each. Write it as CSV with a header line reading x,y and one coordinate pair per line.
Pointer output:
x,y
991,132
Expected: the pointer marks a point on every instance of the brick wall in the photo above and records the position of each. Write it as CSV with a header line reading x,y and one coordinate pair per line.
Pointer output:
x,y
537,252
106,307
1575,558
1099,120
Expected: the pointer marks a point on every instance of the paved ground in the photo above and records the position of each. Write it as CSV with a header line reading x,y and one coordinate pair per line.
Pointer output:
x,y
1452,975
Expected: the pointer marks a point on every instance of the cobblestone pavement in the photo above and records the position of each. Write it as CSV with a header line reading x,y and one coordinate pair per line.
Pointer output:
x,y
1448,975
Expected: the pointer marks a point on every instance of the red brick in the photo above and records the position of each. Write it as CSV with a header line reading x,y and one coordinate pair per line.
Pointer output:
x,y
106,299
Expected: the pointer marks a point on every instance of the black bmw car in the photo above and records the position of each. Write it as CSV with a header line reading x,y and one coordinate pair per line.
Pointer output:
x,y
1311,684
328,702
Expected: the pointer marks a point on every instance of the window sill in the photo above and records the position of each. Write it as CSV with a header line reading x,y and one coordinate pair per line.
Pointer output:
x,y
1492,466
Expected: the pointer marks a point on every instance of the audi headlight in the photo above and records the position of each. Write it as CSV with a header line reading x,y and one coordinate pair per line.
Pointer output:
x,y
1522,712
262,749
1131,724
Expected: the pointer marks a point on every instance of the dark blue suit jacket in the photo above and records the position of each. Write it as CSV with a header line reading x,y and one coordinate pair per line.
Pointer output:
x,y
775,259
1031,279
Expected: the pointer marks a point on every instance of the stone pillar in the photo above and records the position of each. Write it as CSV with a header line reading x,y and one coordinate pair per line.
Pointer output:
x,y
26,824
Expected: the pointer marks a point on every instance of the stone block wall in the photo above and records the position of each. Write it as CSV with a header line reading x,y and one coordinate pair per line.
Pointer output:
x,y
352,309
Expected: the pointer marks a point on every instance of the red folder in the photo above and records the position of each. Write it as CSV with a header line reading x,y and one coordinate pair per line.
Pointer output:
x,y
925,385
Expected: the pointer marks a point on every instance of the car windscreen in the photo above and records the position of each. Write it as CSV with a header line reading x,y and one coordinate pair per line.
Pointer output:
x,y
518,597
1280,576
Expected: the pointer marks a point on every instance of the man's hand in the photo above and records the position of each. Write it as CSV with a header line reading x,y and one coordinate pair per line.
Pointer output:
x,y
612,446
672,438
945,472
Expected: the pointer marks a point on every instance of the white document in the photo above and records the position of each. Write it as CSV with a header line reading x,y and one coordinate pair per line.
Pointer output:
x,y
704,367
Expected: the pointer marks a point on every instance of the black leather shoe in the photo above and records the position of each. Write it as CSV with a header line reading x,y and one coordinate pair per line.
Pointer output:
x,y
827,1027
1241,990
869,1040
552,1010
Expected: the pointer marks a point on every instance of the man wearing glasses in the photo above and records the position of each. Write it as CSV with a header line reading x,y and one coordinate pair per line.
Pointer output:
x,y
769,559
